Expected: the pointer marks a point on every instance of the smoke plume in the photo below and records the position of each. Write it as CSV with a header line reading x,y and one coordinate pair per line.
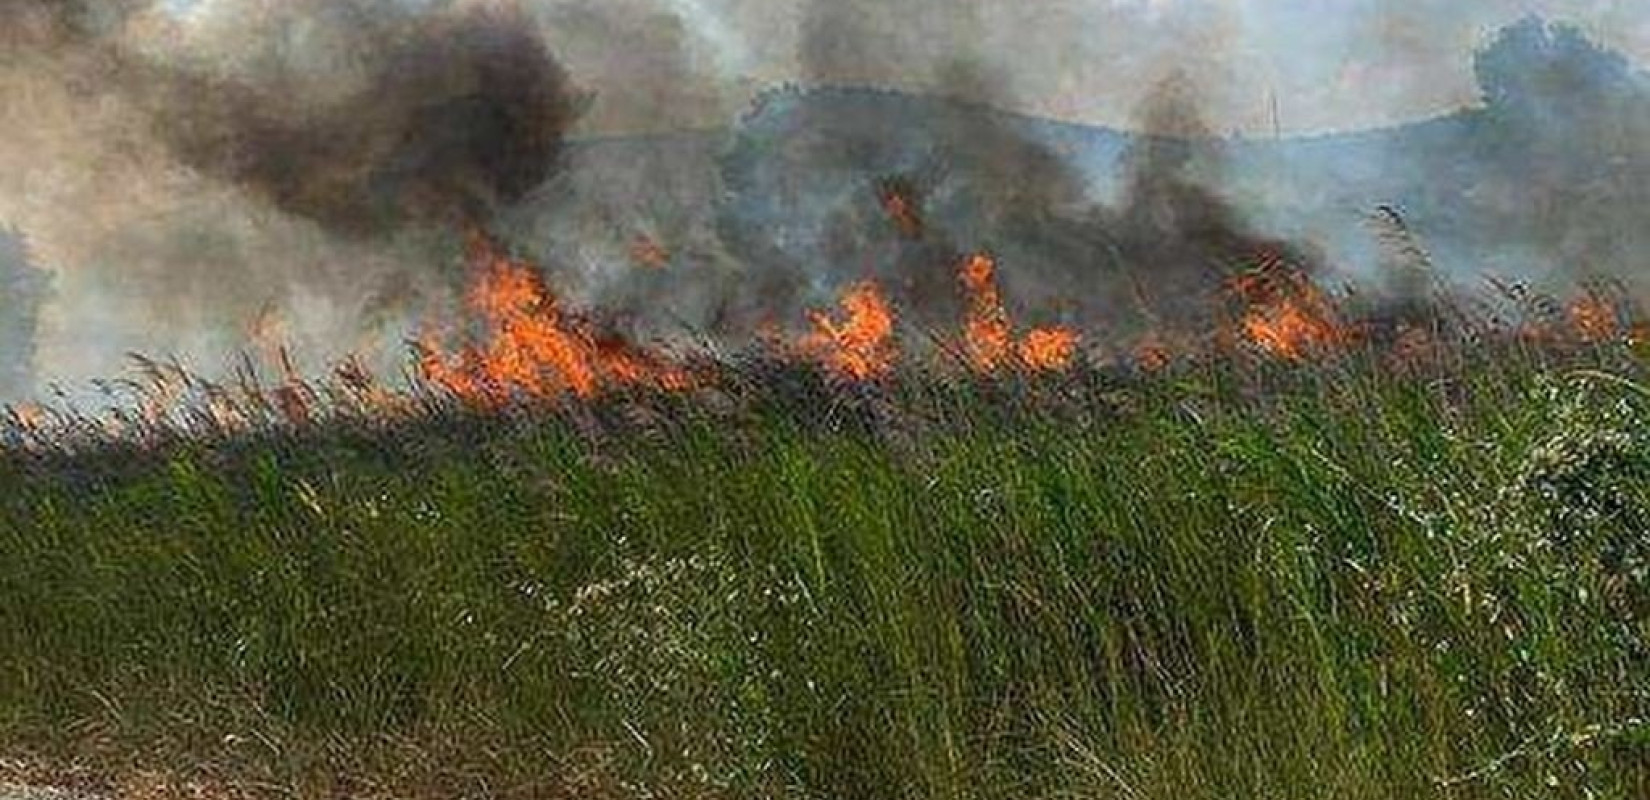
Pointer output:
x,y
971,178
192,173
200,174
449,118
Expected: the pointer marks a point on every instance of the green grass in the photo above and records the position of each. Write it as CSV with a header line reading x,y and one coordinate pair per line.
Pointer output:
x,y
1345,581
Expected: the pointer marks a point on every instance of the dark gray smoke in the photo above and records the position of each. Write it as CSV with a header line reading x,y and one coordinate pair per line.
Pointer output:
x,y
808,167
452,117
60,22
311,161
1175,233
317,157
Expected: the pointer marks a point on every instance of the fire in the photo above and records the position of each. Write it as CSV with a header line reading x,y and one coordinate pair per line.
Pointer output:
x,y
1048,349
988,334
1286,314
988,339
1594,319
533,346
1152,353
899,201
1287,328
28,416
861,346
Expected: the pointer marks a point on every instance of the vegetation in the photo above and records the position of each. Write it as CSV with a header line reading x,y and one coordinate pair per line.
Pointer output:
x,y
1354,579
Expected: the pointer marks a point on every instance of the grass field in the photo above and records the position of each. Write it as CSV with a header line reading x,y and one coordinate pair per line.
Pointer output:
x,y
1234,580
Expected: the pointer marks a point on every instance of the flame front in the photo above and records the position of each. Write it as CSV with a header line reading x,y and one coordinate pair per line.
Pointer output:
x,y
988,340
988,334
1286,315
861,346
532,345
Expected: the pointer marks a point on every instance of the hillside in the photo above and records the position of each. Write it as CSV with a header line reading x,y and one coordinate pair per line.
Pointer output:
x,y
1545,179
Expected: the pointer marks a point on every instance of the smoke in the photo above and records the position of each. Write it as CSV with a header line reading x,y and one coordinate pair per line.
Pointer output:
x,y
807,178
1118,234
909,45
23,289
1561,144
657,70
59,22
185,172
186,168
448,117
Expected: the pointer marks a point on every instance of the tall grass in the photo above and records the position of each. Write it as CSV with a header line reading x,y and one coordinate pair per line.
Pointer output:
x,y
1232,580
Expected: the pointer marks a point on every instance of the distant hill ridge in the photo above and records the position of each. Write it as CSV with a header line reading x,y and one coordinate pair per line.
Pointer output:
x,y
1549,176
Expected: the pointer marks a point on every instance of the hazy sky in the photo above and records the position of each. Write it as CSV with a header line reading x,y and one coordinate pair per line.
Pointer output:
x,y
1334,64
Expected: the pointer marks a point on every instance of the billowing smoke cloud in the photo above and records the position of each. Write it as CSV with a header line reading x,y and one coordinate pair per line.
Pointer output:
x,y
806,179
187,168
1543,178
453,117
1557,160
444,118
655,70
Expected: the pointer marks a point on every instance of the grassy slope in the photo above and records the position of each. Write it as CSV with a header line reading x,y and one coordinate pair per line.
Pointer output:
x,y
1351,584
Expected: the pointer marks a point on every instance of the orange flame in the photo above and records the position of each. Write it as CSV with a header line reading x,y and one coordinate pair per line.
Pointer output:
x,y
1286,314
988,339
1594,319
533,346
861,347
29,416
1048,349
988,334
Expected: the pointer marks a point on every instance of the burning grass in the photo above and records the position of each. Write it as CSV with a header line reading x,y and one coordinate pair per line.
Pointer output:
x,y
1297,560
861,346
1224,578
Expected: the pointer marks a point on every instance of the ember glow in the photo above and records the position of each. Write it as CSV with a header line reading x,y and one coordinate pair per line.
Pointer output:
x,y
1152,353
1594,319
899,201
646,252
